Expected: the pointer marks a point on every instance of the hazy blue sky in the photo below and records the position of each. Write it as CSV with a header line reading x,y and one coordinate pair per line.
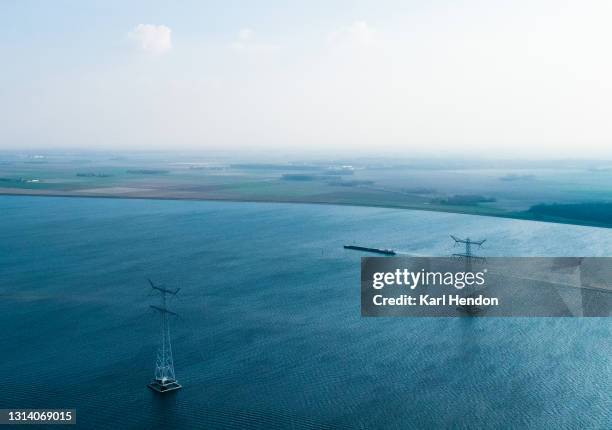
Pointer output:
x,y
506,78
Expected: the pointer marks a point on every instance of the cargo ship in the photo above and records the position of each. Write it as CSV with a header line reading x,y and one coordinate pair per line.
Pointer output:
x,y
373,250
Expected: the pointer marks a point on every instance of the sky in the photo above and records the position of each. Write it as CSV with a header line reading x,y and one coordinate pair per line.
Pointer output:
x,y
528,79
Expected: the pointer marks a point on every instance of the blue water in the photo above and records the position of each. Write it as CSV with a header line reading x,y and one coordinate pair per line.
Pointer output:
x,y
270,333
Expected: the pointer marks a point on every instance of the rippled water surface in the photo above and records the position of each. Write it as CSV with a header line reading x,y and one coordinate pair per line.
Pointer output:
x,y
270,333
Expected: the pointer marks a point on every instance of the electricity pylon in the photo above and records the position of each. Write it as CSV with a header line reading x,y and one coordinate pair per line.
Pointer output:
x,y
165,379
468,257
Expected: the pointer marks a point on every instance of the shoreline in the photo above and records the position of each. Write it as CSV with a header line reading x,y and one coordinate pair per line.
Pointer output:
x,y
509,215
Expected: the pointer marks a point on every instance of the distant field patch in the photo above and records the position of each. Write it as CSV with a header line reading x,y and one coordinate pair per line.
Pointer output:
x,y
596,212
113,190
148,171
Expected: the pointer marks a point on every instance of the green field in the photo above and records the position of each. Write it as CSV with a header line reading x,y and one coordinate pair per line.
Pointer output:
x,y
578,192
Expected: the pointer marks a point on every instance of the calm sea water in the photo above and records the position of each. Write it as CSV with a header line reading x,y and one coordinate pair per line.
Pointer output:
x,y
270,333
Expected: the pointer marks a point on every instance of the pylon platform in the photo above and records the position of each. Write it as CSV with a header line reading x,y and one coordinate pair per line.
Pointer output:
x,y
163,387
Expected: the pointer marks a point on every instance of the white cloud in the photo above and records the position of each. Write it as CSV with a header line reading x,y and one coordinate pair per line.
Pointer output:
x,y
247,41
152,39
359,34
245,34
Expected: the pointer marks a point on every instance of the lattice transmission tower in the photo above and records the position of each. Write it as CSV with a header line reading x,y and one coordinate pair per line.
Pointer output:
x,y
468,257
165,379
